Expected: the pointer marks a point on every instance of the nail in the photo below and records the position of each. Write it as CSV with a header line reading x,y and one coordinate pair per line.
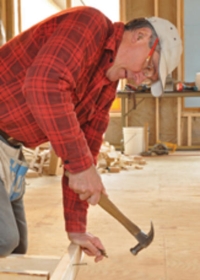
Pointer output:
x,y
79,263
103,252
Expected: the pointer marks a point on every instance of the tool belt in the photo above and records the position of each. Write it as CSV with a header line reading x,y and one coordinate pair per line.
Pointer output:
x,y
11,141
13,166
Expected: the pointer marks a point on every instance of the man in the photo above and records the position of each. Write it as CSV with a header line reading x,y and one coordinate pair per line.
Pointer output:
x,y
58,81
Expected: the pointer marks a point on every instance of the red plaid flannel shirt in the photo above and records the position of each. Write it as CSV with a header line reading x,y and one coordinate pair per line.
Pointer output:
x,y
53,88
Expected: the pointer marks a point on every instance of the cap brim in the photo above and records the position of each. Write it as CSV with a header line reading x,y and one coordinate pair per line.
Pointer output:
x,y
157,88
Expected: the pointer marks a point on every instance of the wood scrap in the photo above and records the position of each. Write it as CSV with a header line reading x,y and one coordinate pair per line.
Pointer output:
x,y
32,174
38,159
113,169
138,167
110,160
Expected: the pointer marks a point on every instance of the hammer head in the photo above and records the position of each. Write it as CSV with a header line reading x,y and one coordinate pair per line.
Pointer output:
x,y
144,240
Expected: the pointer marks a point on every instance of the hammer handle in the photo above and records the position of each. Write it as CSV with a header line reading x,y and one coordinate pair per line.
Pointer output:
x,y
109,207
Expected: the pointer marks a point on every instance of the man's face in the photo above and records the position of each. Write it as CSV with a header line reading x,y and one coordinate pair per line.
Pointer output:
x,y
133,64
150,66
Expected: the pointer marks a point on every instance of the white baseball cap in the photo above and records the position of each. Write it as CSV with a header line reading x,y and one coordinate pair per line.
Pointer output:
x,y
170,52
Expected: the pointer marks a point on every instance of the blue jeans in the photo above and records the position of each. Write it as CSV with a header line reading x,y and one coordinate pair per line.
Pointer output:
x,y
13,227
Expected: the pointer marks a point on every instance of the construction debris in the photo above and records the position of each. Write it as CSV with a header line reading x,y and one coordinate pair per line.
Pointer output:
x,y
138,167
38,159
110,160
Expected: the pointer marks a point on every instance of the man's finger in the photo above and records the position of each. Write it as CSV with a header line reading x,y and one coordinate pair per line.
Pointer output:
x,y
98,258
87,252
104,192
94,199
84,196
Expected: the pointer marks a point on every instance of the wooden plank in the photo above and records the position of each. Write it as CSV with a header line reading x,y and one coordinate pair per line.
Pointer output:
x,y
68,267
122,10
189,131
65,268
10,19
3,22
17,262
178,121
157,132
19,15
156,8
3,12
146,136
68,3
167,10
137,8
180,27
24,275
191,114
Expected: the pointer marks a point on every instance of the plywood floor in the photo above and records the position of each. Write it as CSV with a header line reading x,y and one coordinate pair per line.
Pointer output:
x,y
166,191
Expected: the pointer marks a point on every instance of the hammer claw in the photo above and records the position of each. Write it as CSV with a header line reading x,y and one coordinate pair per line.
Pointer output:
x,y
144,240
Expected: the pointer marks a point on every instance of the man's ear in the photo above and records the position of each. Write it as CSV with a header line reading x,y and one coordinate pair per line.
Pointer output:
x,y
141,34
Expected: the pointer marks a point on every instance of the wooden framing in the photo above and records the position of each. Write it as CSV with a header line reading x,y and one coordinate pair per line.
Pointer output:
x,y
189,116
172,10
10,12
68,3
3,19
178,95
19,15
10,28
73,258
42,267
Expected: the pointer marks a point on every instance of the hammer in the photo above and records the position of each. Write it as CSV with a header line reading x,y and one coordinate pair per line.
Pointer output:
x,y
143,239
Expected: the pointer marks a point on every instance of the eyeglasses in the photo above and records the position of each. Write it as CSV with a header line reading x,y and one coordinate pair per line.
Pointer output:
x,y
148,68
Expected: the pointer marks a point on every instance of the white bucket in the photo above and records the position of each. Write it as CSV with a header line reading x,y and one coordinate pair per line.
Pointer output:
x,y
134,140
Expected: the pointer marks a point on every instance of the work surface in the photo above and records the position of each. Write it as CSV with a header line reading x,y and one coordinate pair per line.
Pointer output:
x,y
166,191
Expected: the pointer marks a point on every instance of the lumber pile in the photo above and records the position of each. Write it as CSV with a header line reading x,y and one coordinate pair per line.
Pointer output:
x,y
38,159
43,160
110,160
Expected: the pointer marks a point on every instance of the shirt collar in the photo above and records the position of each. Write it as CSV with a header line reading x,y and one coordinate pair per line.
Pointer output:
x,y
115,38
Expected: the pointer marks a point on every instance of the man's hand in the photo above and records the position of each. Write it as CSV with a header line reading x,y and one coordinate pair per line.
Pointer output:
x,y
88,243
87,184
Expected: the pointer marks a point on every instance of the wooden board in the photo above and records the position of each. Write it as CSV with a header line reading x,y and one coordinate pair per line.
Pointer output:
x,y
23,267
25,275
73,259
17,262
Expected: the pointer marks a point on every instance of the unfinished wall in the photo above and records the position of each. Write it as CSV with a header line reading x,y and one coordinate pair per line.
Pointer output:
x,y
173,11
7,19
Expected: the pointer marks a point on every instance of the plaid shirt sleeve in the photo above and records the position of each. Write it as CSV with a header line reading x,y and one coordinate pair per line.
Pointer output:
x,y
75,211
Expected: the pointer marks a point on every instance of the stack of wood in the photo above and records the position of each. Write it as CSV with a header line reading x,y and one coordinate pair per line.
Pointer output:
x,y
38,159
42,158
110,160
